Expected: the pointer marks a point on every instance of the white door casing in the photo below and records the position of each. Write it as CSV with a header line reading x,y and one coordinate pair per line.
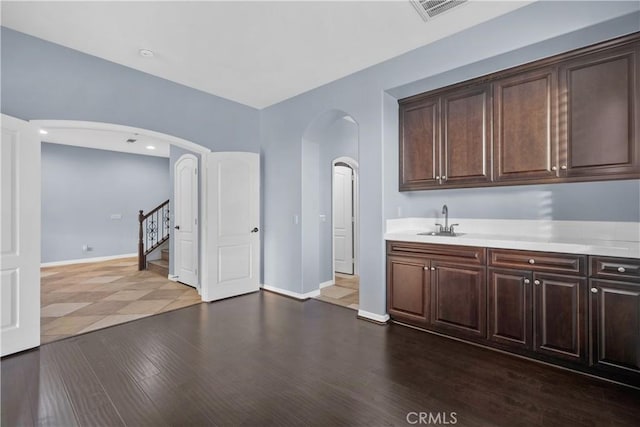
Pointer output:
x,y
343,219
19,236
185,198
233,218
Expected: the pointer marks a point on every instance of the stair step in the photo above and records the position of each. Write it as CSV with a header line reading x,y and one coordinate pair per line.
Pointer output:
x,y
159,266
165,254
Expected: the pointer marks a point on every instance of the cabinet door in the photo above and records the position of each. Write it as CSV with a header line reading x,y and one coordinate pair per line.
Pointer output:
x,y
524,126
407,289
420,144
458,299
560,316
510,308
466,154
616,325
600,114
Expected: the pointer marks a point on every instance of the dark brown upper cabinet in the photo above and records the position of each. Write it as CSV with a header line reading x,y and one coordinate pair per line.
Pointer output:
x,y
524,126
599,98
420,144
466,153
446,140
571,117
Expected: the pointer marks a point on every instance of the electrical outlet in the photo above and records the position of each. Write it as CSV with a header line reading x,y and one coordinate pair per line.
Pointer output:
x,y
86,248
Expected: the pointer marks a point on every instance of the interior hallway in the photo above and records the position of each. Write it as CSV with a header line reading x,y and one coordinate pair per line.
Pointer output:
x,y
345,292
79,298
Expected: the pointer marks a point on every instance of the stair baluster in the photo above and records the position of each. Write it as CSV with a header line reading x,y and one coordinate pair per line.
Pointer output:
x,y
153,231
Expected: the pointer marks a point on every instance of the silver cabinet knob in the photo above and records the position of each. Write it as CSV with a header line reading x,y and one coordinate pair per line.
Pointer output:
x,y
594,290
621,270
563,167
433,268
426,268
444,178
537,282
532,261
527,281
438,177
553,168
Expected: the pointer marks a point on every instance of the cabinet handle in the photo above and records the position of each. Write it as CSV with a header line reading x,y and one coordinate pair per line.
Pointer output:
x,y
527,281
537,282
563,167
621,270
594,290
532,261
553,168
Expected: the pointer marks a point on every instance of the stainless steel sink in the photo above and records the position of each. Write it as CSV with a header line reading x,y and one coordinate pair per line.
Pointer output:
x,y
440,233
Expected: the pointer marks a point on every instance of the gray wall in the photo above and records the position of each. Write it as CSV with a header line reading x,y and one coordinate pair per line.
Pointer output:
x,y
83,187
537,30
42,80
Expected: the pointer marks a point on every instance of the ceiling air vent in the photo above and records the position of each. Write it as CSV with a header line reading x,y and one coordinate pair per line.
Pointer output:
x,y
429,9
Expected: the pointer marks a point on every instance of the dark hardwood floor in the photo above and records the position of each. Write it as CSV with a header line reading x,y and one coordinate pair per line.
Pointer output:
x,y
263,359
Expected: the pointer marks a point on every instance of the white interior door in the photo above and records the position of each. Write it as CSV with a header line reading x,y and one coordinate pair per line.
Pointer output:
x,y
185,233
343,219
20,236
233,218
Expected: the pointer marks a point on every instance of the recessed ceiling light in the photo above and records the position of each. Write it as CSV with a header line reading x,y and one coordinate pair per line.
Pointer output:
x,y
43,132
146,53
150,147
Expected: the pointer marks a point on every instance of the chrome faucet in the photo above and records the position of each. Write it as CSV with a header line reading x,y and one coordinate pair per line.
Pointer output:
x,y
445,212
447,229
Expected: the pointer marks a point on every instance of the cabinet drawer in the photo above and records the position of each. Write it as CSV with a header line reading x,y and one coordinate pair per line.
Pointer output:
x,y
538,261
615,268
465,254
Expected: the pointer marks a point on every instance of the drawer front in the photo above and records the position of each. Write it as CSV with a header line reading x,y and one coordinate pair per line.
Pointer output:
x,y
615,268
538,261
465,254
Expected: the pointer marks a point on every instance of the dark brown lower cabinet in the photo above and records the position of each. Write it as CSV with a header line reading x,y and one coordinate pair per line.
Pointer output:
x,y
615,317
560,313
458,299
407,289
510,308
545,306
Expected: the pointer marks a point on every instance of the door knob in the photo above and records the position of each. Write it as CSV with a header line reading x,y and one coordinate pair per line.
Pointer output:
x,y
177,227
255,230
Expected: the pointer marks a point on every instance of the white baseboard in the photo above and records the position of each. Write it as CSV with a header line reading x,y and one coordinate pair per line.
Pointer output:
x,y
325,284
87,260
172,277
372,316
292,294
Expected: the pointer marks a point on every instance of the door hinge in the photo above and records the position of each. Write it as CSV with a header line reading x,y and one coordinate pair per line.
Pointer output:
x,y
196,271
196,171
196,221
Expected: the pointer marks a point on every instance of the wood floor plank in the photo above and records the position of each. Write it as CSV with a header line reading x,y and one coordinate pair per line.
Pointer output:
x,y
91,403
133,405
262,359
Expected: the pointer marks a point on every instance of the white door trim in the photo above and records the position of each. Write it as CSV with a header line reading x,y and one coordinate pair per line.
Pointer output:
x,y
356,214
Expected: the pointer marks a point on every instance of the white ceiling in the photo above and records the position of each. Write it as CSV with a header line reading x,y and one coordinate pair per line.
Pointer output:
x,y
106,139
255,53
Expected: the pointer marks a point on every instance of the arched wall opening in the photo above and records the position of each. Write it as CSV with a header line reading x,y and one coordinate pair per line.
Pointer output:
x,y
331,137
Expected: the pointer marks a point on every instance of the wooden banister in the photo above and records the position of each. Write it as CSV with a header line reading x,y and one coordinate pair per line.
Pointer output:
x,y
153,230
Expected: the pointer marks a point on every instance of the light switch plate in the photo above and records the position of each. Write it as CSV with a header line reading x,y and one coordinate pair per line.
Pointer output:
x,y
116,216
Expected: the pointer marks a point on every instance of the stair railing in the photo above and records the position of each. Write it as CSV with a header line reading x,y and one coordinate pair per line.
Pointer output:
x,y
153,231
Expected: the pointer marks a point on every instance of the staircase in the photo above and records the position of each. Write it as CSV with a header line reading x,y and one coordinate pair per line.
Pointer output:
x,y
160,266
153,231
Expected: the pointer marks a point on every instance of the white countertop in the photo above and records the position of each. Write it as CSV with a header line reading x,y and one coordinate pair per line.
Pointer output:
x,y
546,236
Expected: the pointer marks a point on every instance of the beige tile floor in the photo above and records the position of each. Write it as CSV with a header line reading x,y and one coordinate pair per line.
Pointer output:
x,y
344,292
84,297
